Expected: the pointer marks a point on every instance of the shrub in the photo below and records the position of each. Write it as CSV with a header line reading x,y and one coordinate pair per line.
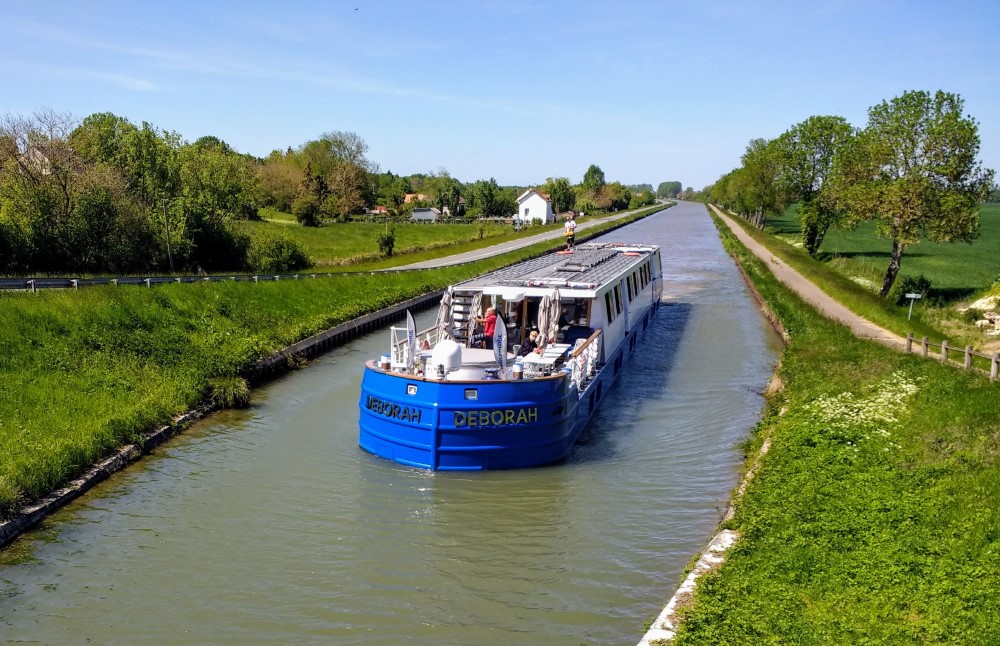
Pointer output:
x,y
229,392
386,241
275,252
910,285
306,209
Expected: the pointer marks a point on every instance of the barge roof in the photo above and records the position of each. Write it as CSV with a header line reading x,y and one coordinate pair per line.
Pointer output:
x,y
585,270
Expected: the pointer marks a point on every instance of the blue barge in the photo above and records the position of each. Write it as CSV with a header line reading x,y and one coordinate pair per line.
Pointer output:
x,y
439,400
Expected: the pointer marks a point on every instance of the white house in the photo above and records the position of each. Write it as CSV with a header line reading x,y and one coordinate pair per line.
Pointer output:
x,y
426,214
534,205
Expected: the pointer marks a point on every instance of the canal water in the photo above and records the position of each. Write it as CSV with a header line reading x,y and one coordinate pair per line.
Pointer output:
x,y
271,526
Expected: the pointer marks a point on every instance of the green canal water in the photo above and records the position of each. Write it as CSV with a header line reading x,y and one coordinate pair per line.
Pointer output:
x,y
271,526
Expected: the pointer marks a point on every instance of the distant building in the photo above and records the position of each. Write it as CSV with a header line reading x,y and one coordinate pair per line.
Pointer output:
x,y
414,197
378,209
533,205
426,214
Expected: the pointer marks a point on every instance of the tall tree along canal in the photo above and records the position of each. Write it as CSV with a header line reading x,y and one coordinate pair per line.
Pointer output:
x,y
272,526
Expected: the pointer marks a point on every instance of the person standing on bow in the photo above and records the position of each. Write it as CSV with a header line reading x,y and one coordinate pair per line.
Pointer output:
x,y
570,231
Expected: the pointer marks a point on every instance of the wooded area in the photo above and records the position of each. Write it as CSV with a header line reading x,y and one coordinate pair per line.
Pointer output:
x,y
105,195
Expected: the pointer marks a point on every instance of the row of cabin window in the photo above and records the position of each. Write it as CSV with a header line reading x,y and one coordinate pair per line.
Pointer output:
x,y
636,282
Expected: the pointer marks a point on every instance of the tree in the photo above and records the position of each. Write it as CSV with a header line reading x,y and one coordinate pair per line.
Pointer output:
x,y
561,193
668,189
760,193
913,171
806,153
593,179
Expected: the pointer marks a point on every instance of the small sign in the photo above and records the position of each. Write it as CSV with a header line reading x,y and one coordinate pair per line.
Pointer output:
x,y
913,296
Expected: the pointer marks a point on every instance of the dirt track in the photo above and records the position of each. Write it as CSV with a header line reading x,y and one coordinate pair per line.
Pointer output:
x,y
812,294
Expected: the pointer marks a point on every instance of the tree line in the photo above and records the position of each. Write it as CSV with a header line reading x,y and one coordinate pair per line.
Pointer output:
x,y
912,170
106,195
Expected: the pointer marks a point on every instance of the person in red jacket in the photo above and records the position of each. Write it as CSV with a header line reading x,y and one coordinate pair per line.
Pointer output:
x,y
489,323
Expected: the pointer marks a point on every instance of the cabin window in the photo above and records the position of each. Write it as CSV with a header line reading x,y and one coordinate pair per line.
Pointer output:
x,y
618,299
628,283
607,305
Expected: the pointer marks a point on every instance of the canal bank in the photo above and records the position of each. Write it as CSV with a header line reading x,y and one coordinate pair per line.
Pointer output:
x,y
870,518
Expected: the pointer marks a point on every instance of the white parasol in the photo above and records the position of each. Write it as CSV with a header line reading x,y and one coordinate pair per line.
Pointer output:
x,y
543,321
444,316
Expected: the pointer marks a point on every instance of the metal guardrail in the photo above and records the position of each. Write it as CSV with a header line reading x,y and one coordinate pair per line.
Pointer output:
x,y
35,284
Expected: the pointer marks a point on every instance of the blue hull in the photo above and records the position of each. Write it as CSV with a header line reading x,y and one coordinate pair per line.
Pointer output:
x,y
477,425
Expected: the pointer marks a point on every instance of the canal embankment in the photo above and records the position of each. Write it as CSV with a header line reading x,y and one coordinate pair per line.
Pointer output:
x,y
872,515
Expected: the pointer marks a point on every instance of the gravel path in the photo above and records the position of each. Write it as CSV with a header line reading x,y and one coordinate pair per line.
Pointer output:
x,y
812,294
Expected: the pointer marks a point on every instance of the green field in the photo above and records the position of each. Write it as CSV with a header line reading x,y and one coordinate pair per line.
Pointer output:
x,y
341,243
872,519
956,270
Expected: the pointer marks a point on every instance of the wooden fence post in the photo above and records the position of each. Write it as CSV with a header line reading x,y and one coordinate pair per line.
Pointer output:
x,y
995,367
968,357
923,347
909,343
944,352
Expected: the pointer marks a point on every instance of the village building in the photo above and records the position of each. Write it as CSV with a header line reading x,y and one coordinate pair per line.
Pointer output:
x,y
534,206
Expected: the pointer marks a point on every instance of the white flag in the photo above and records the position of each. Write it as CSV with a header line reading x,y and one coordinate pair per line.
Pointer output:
x,y
411,342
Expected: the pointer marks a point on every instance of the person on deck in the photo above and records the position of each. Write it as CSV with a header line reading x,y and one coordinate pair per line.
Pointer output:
x,y
489,323
530,345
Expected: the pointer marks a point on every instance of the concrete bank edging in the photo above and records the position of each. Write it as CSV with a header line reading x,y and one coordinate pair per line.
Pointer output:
x,y
268,368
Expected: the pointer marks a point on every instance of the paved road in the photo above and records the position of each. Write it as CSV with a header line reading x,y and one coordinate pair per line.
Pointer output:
x,y
504,247
810,293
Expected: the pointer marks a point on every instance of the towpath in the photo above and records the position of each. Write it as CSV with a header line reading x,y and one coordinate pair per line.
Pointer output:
x,y
504,247
810,293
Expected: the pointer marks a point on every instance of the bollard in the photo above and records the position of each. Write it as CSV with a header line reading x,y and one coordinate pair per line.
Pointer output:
x,y
944,352
34,290
149,283
76,283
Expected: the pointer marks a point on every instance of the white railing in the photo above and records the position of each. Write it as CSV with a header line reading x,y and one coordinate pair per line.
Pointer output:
x,y
584,359
426,339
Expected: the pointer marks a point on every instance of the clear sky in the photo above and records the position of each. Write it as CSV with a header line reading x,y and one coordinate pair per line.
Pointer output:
x,y
651,91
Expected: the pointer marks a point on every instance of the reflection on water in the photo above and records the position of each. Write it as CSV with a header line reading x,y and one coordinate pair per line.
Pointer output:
x,y
272,526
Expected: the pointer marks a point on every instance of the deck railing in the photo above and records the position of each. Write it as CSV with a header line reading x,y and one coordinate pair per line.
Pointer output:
x,y
968,355
584,359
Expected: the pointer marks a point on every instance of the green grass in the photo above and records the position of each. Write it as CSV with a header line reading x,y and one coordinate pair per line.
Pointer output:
x,y
84,372
873,518
955,270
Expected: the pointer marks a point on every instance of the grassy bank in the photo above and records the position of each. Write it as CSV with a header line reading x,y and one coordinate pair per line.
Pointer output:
x,y
84,372
873,518
346,243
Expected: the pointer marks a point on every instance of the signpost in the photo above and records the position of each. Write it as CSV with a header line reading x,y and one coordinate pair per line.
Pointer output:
x,y
912,297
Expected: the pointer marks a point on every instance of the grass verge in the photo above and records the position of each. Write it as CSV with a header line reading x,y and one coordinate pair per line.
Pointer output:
x,y
873,517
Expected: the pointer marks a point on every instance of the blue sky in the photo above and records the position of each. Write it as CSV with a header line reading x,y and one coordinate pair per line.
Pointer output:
x,y
650,91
